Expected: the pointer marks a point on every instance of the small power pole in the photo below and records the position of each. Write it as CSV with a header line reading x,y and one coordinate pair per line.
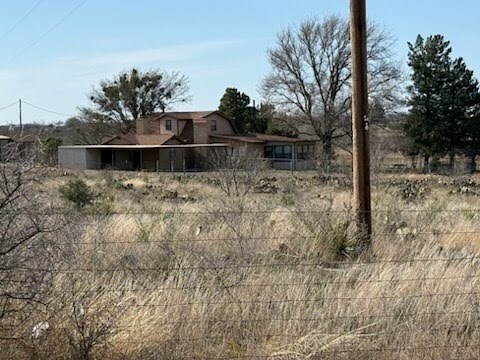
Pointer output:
x,y
360,123
20,116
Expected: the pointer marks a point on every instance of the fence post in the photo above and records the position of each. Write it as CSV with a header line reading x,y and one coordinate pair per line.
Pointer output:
x,y
171,166
157,165
184,166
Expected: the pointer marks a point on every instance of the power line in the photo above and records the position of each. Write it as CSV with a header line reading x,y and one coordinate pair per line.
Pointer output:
x,y
41,37
46,110
9,106
14,26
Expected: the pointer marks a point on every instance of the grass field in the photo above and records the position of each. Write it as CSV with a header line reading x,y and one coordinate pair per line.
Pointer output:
x,y
165,266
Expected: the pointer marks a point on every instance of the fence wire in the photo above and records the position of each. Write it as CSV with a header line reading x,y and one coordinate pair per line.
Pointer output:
x,y
223,285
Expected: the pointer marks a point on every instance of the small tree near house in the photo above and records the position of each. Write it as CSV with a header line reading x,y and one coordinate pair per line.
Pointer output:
x,y
77,192
237,169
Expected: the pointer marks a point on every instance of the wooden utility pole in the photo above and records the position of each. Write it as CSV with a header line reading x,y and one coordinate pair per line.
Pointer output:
x,y
360,123
20,116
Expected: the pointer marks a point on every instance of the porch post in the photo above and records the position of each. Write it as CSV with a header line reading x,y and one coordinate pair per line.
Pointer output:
x,y
158,161
294,157
184,161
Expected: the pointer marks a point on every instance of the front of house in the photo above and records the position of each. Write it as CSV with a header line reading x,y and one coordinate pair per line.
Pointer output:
x,y
176,141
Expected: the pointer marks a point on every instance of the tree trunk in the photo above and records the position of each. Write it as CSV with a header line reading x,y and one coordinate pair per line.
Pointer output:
x,y
327,156
451,159
426,164
472,165
413,159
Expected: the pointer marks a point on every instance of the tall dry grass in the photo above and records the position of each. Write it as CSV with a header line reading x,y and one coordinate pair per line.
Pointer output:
x,y
255,278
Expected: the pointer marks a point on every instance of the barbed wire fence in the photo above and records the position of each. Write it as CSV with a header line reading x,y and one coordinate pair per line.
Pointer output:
x,y
245,284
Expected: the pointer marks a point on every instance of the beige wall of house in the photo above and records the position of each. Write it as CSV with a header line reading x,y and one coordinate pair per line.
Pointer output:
x,y
173,125
223,125
201,131
205,126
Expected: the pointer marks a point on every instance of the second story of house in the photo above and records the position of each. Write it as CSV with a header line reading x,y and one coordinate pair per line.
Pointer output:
x,y
192,127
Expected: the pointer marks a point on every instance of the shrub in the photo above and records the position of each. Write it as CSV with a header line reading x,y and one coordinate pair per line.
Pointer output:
x,y
50,150
77,192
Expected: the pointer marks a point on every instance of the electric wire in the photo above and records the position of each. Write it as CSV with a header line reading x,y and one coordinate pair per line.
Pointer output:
x,y
45,34
22,19
9,106
45,110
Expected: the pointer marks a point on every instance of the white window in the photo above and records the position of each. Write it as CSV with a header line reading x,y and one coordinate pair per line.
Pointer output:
x,y
168,125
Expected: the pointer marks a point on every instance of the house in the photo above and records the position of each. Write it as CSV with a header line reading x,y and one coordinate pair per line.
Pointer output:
x,y
175,141
24,145
4,145
282,152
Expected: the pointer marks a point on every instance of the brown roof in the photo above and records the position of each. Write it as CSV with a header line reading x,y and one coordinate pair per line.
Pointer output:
x,y
262,138
134,139
188,115
181,115
245,138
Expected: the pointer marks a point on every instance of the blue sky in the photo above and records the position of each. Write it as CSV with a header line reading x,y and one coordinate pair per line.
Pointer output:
x,y
54,57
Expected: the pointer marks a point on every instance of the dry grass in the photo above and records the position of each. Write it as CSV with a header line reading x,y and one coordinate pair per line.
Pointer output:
x,y
260,279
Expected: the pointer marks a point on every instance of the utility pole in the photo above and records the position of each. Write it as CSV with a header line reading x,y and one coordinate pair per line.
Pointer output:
x,y
20,116
360,123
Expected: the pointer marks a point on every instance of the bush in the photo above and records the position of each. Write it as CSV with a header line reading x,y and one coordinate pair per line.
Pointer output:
x,y
50,150
77,192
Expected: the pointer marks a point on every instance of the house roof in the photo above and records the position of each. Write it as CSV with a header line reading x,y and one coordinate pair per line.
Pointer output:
x,y
134,139
262,138
143,147
188,115
25,138
191,115
241,138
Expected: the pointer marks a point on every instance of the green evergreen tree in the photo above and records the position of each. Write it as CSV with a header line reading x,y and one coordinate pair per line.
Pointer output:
x,y
50,150
234,104
461,99
430,63
471,145
443,96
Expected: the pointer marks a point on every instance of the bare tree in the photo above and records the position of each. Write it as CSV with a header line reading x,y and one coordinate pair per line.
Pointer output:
x,y
25,223
311,76
237,169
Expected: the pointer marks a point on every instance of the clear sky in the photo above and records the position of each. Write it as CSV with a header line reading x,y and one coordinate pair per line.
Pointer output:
x,y
54,51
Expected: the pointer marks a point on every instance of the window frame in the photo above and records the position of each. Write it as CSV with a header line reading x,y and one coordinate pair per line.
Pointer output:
x,y
305,151
279,152
213,125
168,125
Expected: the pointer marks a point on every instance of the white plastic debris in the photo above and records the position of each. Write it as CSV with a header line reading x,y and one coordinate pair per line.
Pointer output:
x,y
40,329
